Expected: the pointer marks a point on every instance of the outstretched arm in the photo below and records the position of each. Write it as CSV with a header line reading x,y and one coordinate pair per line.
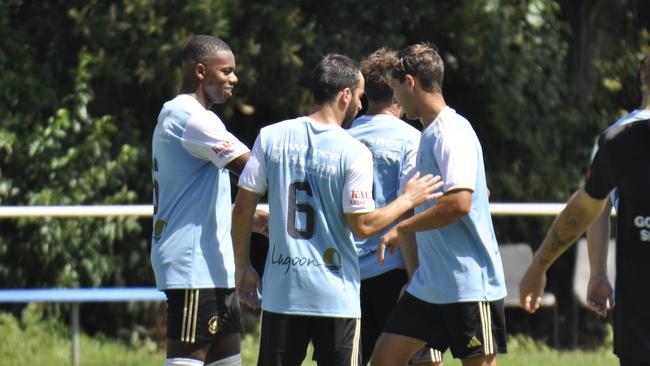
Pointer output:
x,y
580,211
417,191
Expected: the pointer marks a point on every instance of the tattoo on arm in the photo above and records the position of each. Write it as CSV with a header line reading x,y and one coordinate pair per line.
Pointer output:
x,y
559,245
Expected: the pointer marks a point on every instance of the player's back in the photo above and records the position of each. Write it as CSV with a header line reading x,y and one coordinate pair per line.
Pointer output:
x,y
393,144
311,266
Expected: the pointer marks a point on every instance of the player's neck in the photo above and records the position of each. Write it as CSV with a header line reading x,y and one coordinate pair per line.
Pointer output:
x,y
431,104
645,103
198,96
388,108
327,115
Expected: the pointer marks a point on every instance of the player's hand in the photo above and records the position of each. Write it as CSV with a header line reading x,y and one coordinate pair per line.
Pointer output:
x,y
600,294
531,287
423,189
392,239
261,222
248,285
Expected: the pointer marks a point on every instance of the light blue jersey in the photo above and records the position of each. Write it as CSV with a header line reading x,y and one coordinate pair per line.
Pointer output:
x,y
635,115
191,244
459,262
393,144
314,174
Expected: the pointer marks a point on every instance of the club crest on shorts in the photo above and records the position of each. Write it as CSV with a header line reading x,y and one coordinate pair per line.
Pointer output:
x,y
213,325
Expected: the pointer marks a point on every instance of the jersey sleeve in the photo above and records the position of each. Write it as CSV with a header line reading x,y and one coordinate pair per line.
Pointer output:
x,y
600,177
457,159
253,177
408,165
357,189
206,137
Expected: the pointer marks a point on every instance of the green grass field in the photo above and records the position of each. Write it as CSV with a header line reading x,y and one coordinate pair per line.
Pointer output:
x,y
33,340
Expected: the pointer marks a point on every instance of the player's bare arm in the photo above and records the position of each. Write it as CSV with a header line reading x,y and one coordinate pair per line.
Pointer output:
x,y
236,166
580,211
450,208
409,251
600,294
247,280
417,191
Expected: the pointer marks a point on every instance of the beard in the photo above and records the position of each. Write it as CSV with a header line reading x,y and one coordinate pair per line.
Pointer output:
x,y
350,113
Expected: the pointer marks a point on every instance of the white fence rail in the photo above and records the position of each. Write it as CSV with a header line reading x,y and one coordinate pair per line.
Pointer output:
x,y
497,209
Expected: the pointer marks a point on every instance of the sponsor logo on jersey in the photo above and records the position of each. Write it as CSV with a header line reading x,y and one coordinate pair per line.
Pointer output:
x,y
332,259
223,149
159,229
293,262
643,223
359,198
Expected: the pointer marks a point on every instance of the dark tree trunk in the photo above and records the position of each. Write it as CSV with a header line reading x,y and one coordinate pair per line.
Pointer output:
x,y
598,29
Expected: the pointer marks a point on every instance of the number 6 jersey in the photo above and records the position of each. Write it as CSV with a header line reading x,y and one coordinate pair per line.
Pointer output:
x,y
314,174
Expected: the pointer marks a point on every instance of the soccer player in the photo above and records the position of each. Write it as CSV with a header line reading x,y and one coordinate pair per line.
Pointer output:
x,y
455,298
191,251
393,144
319,183
622,163
599,289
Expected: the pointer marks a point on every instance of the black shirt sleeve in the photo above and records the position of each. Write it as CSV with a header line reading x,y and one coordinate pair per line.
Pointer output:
x,y
601,176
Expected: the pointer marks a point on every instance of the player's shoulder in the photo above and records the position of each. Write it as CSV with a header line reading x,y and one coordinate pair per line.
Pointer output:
x,y
282,127
187,108
451,118
449,123
623,132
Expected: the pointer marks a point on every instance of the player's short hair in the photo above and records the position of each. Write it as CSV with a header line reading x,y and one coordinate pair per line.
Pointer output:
x,y
422,62
201,46
644,74
375,70
332,74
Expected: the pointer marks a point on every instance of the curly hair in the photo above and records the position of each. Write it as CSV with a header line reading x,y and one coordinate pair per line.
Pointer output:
x,y
375,70
422,62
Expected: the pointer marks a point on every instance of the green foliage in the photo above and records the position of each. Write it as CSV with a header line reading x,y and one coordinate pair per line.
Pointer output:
x,y
37,339
70,159
532,129
617,89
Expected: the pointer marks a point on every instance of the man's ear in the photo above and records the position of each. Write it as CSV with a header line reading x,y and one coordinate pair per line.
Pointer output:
x,y
346,96
199,70
410,81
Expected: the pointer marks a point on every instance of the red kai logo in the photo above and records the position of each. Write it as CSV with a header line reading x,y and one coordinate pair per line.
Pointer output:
x,y
360,194
222,150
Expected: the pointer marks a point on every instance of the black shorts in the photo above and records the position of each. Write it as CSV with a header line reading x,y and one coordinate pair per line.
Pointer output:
x,y
378,298
379,295
631,324
284,340
202,315
470,329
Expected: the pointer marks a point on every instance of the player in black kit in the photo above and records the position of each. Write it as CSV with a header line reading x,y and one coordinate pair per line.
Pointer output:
x,y
622,162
